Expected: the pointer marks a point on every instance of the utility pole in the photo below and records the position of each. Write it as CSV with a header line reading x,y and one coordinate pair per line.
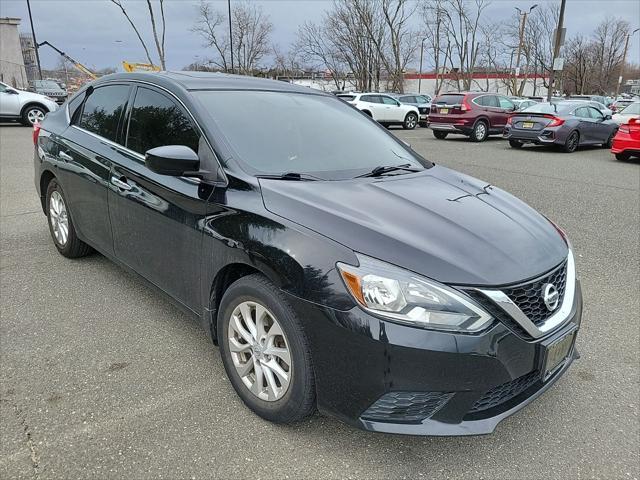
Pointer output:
x,y
523,24
556,49
420,76
624,60
230,35
35,41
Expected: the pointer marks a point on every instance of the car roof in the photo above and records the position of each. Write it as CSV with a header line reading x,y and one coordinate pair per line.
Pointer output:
x,y
209,81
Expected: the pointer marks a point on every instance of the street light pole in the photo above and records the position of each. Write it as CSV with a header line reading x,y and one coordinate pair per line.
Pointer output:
x,y
523,24
35,41
624,60
556,49
230,35
421,54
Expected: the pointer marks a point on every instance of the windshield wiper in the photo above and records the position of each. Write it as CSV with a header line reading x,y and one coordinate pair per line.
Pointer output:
x,y
290,176
384,169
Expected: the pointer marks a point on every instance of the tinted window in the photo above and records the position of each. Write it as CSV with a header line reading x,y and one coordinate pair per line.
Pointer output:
x,y
505,103
450,99
582,112
371,98
103,109
408,99
274,132
548,108
157,120
75,107
388,100
347,98
423,99
3,87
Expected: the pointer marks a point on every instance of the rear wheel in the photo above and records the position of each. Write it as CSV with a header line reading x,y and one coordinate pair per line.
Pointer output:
x,y
410,121
623,157
61,226
33,114
480,131
265,351
516,144
571,143
440,135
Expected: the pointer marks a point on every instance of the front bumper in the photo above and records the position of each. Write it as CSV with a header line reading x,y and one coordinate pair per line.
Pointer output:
x,y
362,361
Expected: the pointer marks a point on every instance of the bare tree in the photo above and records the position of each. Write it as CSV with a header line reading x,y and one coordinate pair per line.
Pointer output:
x,y
317,46
608,47
158,38
251,29
438,44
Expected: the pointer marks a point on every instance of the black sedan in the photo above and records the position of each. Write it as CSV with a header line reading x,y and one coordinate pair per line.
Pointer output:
x,y
564,124
334,266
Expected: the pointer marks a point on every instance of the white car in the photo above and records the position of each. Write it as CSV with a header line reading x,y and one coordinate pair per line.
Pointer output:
x,y
626,114
384,109
28,107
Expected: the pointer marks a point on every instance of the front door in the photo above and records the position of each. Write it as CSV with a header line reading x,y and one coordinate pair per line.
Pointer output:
x,y
9,103
156,218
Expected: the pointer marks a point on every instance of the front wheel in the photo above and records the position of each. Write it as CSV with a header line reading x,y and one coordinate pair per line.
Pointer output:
x,y
410,121
480,132
61,226
265,351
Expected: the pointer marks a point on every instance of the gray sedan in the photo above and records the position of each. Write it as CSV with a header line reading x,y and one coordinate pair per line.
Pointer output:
x,y
565,124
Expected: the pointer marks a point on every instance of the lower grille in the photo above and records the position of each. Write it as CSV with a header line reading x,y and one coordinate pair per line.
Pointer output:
x,y
505,392
406,407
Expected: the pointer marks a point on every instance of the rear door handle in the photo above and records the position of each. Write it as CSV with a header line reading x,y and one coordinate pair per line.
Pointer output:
x,y
120,183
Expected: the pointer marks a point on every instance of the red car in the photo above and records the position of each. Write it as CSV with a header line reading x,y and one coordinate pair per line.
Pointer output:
x,y
626,143
474,114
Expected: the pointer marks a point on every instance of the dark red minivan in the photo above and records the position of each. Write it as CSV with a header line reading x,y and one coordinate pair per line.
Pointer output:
x,y
474,114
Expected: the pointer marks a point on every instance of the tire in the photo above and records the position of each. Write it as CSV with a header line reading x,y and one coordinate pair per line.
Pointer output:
x,y
572,142
32,114
480,131
410,121
286,405
516,144
609,140
59,220
623,157
440,135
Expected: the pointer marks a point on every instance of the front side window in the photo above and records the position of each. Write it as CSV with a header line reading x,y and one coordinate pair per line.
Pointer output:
x,y
408,99
103,109
280,132
388,100
595,113
156,120
582,112
506,103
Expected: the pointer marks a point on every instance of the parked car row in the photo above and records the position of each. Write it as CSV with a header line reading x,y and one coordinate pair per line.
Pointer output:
x,y
26,107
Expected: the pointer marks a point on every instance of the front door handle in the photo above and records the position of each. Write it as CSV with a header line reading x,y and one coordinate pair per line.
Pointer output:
x,y
122,185
65,156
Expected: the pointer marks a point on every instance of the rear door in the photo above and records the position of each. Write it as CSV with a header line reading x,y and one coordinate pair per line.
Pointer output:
x,y
9,102
490,106
156,218
84,155
373,103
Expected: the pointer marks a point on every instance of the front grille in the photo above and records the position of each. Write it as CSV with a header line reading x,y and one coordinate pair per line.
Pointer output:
x,y
499,314
406,407
528,296
505,392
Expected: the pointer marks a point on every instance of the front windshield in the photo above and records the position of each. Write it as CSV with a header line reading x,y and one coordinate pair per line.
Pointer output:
x,y
633,109
277,132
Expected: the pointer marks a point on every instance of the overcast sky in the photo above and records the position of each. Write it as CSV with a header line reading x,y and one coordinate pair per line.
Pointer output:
x,y
95,32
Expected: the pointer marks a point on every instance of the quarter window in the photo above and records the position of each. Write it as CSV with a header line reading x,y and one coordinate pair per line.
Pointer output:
x,y
103,109
157,120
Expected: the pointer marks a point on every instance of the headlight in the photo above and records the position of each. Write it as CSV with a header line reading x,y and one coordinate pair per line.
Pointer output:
x,y
406,297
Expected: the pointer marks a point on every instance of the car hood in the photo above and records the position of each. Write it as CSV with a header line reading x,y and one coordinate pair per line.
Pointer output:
x,y
438,223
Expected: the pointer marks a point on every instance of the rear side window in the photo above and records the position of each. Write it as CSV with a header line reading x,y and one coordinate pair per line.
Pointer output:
x,y
371,98
103,109
157,120
487,101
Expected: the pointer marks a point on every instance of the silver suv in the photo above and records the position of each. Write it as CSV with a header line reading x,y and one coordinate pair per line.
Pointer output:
x,y
27,107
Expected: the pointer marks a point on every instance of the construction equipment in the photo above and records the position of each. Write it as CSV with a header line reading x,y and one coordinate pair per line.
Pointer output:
x,y
140,67
75,63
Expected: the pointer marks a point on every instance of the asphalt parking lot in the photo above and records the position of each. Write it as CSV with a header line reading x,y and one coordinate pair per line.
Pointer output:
x,y
102,377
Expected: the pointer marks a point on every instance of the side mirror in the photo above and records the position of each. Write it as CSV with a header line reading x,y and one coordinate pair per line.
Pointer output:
x,y
174,160
607,117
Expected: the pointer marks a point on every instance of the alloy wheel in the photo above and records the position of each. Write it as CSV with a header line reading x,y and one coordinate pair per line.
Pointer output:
x,y
35,115
481,131
572,142
411,122
59,218
260,351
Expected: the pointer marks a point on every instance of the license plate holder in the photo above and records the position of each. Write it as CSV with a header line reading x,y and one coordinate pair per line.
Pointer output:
x,y
444,111
527,124
557,353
